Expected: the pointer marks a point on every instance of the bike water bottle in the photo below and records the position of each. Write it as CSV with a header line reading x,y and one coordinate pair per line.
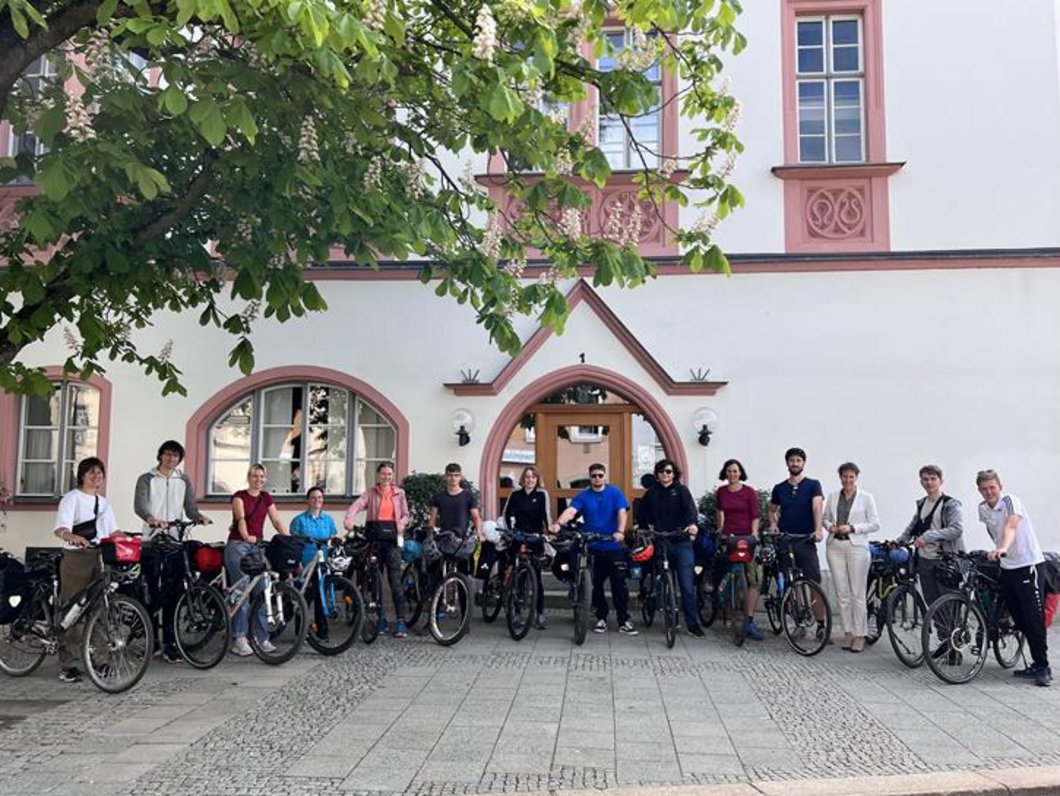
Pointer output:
x,y
74,613
238,590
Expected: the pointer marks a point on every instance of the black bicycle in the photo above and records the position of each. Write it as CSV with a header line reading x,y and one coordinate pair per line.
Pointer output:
x,y
804,611
895,581
575,542
363,570
118,638
961,626
658,586
449,618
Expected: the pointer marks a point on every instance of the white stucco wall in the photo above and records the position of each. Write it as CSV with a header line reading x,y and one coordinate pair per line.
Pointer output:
x,y
889,369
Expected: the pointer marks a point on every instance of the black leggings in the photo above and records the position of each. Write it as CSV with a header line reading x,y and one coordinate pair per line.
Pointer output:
x,y
390,560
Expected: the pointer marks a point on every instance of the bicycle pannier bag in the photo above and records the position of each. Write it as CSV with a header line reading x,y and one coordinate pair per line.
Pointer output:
x,y
741,549
381,531
209,559
284,553
118,550
12,586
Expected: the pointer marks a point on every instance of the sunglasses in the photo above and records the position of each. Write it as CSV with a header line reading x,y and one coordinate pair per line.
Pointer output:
x,y
667,471
596,475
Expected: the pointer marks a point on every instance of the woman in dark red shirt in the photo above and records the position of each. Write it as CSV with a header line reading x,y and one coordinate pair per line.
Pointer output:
x,y
738,515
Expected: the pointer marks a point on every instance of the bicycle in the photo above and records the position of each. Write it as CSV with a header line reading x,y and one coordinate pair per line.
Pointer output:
x,y
363,570
961,625
202,629
337,607
276,607
774,582
804,611
118,638
575,541
416,580
661,586
731,593
449,618
903,606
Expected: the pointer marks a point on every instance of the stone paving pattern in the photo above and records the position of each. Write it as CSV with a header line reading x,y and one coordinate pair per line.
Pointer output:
x,y
493,715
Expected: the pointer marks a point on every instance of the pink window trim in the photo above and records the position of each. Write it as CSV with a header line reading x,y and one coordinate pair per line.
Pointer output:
x,y
871,12
10,404
198,426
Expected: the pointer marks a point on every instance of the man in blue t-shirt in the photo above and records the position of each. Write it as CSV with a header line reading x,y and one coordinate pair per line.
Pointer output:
x,y
799,502
604,509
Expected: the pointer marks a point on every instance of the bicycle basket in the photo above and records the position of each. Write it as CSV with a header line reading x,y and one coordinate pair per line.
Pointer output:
x,y
412,551
740,549
119,550
284,553
209,559
252,564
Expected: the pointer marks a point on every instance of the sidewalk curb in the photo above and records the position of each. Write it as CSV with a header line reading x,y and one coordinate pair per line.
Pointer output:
x,y
1032,781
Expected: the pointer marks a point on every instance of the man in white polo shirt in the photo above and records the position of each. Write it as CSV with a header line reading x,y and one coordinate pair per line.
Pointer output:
x,y
1022,569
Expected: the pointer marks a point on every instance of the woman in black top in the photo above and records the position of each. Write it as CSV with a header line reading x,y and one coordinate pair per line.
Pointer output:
x,y
527,512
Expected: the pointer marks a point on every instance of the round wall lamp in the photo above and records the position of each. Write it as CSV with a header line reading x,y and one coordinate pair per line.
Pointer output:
x,y
463,422
705,423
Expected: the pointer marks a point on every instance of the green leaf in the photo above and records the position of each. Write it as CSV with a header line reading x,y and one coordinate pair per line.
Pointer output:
x,y
53,180
174,101
504,104
105,11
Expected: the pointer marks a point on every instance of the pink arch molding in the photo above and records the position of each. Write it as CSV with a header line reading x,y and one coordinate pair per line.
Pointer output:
x,y
198,426
549,383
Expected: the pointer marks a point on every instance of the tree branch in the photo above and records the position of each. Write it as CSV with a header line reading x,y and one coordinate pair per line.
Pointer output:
x,y
196,190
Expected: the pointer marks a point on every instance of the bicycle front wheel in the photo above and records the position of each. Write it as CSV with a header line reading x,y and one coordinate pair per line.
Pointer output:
x,y
414,592
492,597
337,623
1008,641
669,606
706,601
647,598
22,645
372,600
450,618
877,612
522,598
118,643
955,638
771,599
738,605
201,627
583,590
283,620
803,602
905,621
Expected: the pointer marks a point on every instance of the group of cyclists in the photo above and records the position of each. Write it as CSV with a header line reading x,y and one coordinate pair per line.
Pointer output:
x,y
666,534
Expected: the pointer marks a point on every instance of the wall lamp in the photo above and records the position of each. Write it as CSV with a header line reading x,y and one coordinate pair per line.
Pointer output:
x,y
463,422
705,423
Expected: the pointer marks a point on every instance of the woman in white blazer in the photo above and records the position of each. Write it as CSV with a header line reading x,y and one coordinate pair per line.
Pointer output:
x,y
849,517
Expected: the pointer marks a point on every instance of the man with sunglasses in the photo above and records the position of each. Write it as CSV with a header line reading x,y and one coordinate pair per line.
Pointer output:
x,y
796,506
604,508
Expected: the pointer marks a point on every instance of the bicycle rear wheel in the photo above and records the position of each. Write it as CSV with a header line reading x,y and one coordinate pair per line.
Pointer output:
x,y
669,608
372,600
771,598
877,612
493,596
201,627
955,638
647,598
803,600
905,620
412,586
21,646
522,597
738,606
118,643
450,618
342,614
285,627
583,589
706,601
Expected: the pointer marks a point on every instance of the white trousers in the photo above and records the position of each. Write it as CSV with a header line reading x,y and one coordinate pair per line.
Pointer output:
x,y
849,566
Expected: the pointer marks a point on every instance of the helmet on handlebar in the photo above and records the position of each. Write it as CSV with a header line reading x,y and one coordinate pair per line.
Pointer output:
x,y
411,551
431,553
489,530
767,555
643,552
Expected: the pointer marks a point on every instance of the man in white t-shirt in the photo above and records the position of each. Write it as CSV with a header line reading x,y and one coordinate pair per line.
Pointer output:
x,y
1022,569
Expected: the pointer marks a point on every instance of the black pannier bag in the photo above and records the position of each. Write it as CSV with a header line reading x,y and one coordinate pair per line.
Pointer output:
x,y
12,587
284,553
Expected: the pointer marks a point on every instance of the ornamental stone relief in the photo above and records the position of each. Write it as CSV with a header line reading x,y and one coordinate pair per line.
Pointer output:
x,y
837,213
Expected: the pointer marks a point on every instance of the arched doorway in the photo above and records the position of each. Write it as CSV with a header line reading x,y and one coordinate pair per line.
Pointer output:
x,y
568,419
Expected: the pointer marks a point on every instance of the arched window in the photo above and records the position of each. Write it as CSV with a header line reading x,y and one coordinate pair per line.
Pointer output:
x,y
306,433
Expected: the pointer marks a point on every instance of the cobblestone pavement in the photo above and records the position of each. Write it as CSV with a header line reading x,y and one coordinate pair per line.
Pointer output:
x,y
492,715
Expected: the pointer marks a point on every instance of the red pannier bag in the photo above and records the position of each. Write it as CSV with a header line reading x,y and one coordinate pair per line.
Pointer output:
x,y
740,549
119,550
209,559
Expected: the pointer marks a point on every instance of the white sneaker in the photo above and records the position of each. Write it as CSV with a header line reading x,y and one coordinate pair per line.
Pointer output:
x,y
266,646
600,626
241,647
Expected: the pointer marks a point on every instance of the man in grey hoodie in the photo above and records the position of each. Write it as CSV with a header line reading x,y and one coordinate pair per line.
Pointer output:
x,y
163,494
936,528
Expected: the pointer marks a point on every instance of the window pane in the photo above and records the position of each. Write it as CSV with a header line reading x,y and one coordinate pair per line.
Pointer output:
x,y
848,121
810,32
81,442
82,406
845,31
811,150
37,479
848,149
40,444
811,60
230,449
846,59
276,406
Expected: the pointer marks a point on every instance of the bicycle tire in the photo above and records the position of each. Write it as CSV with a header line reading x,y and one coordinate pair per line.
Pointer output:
x,y
905,619
647,599
771,599
118,643
738,605
1007,641
412,587
522,599
450,618
286,627
372,601
955,638
804,632
493,597
583,589
669,608
875,607
706,602
202,629
343,612
21,649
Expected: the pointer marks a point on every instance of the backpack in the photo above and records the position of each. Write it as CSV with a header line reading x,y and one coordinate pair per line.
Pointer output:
x,y
1052,573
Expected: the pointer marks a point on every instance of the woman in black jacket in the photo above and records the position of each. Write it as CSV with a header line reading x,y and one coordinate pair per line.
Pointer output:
x,y
668,506
526,511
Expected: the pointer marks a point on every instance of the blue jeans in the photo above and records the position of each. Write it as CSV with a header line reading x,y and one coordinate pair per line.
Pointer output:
x,y
234,551
682,559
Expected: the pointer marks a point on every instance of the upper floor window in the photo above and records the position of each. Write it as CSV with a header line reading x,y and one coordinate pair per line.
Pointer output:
x,y
31,86
307,434
614,137
55,432
830,83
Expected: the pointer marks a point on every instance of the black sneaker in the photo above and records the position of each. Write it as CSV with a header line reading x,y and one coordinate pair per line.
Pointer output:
x,y
1027,673
696,631
171,655
1043,676
70,675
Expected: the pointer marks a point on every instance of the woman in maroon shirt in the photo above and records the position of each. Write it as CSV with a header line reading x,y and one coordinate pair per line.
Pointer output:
x,y
738,515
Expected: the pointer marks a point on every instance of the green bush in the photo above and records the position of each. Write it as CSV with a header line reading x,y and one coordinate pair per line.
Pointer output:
x,y
420,489
708,506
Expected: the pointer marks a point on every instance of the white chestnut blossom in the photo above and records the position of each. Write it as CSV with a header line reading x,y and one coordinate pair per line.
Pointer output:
x,y
587,130
373,175
491,241
308,146
667,169
570,222
485,42
417,180
631,232
563,163
375,15
78,120
166,352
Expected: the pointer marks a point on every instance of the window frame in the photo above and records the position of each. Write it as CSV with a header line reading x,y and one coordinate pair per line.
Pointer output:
x,y
41,70
629,155
62,430
829,77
